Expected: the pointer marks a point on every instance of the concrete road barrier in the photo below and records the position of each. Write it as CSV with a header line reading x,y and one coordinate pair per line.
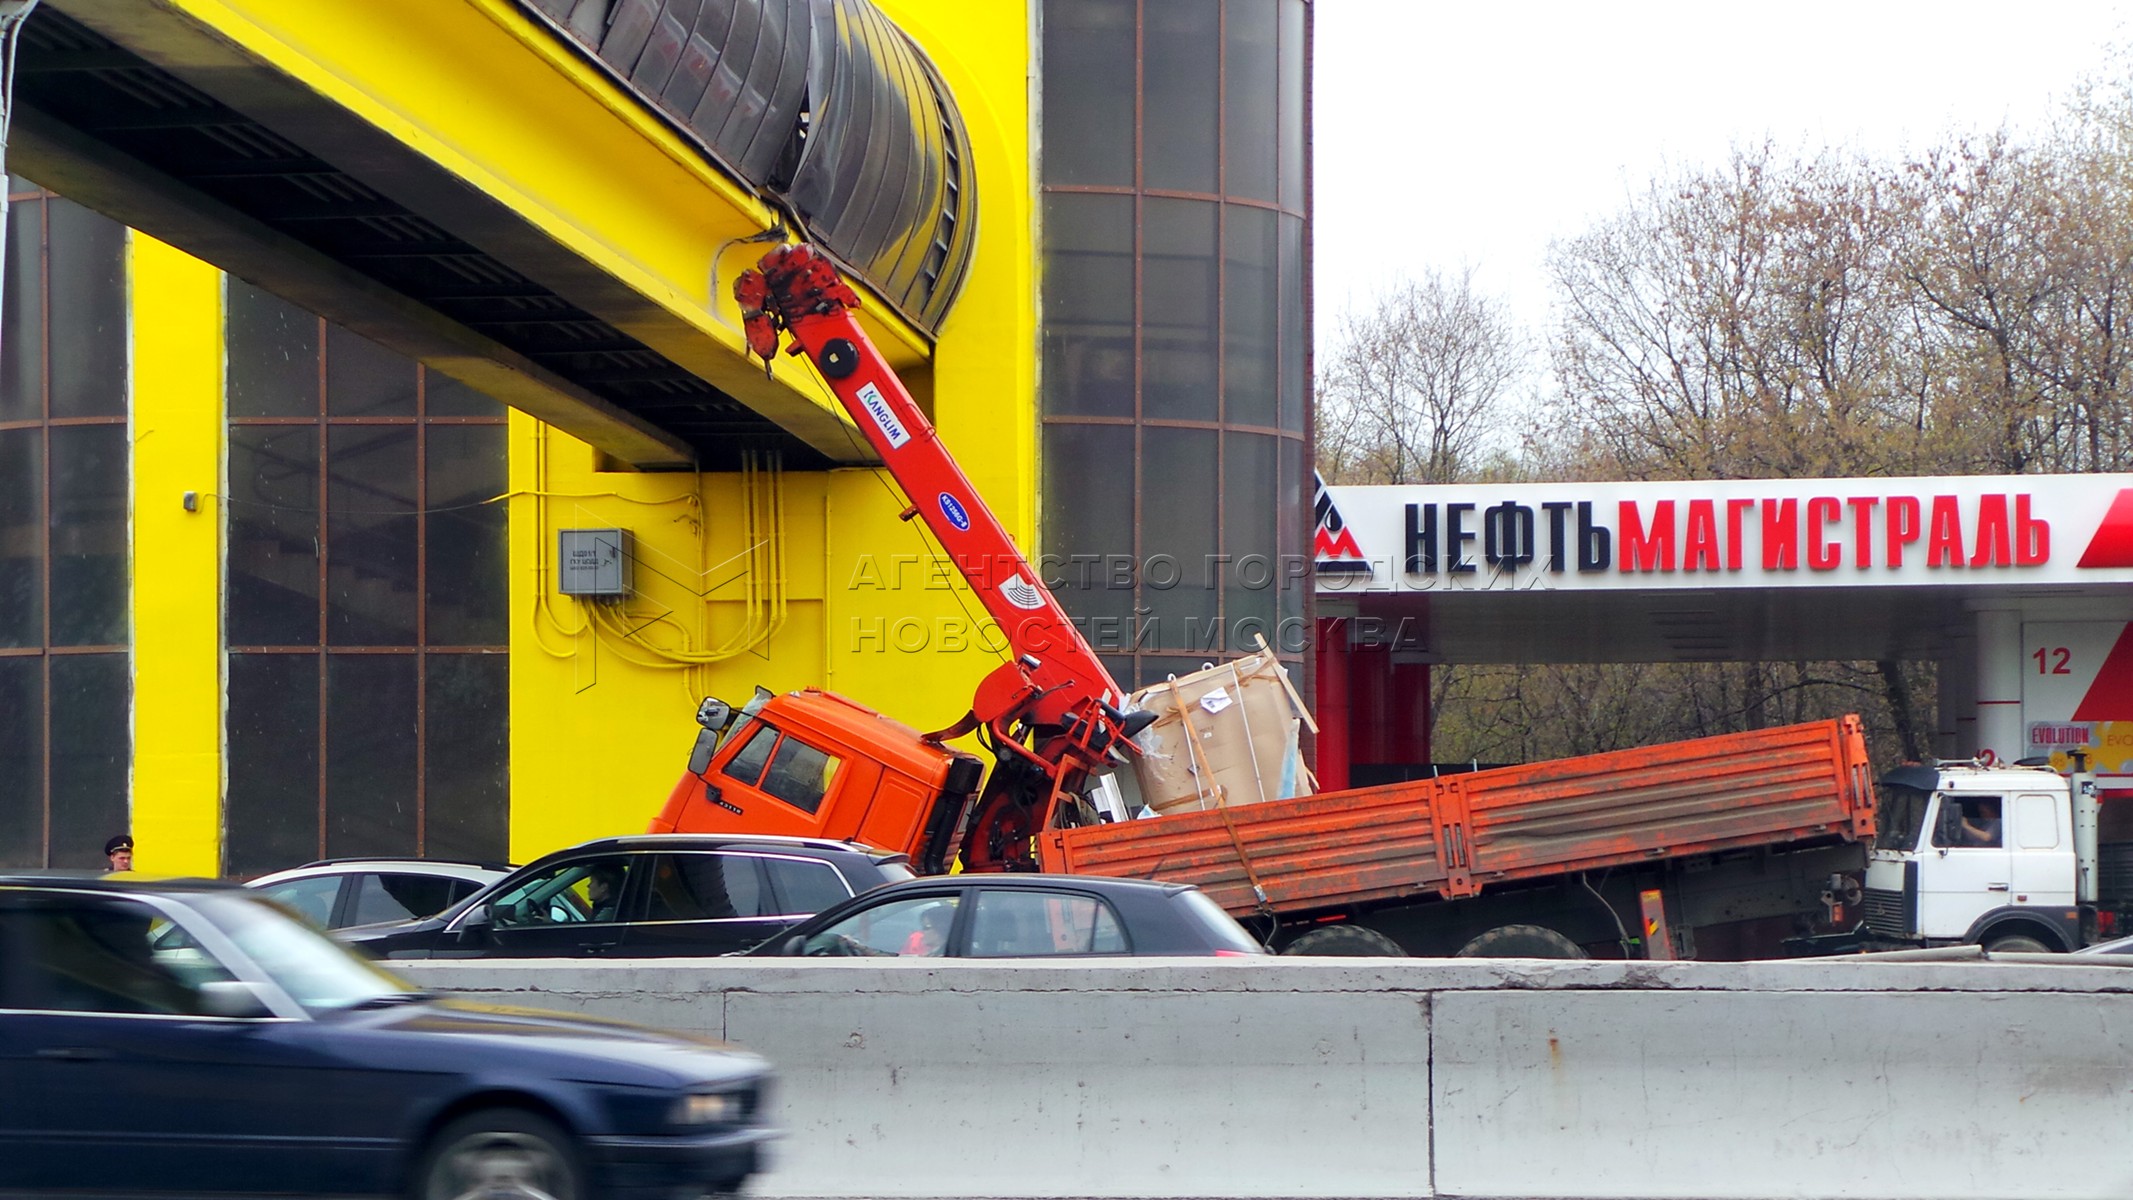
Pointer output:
x,y
1396,1078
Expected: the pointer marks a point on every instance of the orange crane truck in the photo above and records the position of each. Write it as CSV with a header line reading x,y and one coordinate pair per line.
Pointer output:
x,y
1725,847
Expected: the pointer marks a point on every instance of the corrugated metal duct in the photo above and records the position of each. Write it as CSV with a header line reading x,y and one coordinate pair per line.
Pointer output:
x,y
822,105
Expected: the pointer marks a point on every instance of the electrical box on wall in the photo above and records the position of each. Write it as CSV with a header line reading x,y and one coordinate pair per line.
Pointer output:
x,y
594,563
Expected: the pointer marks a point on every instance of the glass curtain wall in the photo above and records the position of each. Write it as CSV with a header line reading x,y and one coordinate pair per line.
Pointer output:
x,y
65,682
1174,318
365,622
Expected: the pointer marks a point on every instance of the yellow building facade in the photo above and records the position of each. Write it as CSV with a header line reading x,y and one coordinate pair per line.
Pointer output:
x,y
336,622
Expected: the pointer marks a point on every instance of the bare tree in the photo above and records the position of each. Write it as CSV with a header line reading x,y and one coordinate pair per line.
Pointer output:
x,y
1414,385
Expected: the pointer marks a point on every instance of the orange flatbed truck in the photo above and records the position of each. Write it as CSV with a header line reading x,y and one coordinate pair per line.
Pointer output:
x,y
1724,847
1744,845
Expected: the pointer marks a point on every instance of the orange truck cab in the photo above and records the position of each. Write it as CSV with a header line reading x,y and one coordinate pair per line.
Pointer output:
x,y
814,764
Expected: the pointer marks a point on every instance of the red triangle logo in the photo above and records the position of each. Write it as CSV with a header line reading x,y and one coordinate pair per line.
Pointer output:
x,y
2113,544
2110,698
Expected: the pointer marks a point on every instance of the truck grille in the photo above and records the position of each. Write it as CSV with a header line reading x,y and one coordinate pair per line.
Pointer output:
x,y
1886,913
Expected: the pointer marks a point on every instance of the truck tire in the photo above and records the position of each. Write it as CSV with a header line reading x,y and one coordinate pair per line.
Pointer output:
x,y
2017,943
1521,941
1345,941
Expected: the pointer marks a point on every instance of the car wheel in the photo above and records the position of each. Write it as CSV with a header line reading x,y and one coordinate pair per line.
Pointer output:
x,y
498,1153
1521,941
2015,943
1345,941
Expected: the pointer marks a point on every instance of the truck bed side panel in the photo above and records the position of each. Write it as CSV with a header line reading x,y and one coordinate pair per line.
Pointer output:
x,y
1374,844
1769,787
1455,835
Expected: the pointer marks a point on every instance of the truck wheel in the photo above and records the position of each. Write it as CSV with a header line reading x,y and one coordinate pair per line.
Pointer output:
x,y
1345,941
1521,941
2015,943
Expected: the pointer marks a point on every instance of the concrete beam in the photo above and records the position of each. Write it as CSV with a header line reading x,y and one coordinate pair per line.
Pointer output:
x,y
1143,1078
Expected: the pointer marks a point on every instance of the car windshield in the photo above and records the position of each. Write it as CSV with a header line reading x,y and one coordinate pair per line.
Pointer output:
x,y
315,971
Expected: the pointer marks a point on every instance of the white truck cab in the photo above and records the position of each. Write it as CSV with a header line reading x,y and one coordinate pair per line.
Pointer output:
x,y
2000,856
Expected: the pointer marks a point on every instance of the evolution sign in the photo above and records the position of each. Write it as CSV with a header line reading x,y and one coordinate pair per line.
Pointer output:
x,y
1952,530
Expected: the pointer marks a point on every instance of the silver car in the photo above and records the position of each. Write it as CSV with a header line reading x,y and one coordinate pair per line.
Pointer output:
x,y
337,892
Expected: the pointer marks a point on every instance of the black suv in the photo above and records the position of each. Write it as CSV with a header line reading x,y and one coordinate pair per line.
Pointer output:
x,y
648,896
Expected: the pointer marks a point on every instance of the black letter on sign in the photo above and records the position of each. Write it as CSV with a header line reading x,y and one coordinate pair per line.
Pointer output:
x,y
1507,535
1455,539
1593,540
1421,539
1557,510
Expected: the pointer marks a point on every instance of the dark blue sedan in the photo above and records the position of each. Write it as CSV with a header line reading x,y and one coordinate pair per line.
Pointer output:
x,y
188,1038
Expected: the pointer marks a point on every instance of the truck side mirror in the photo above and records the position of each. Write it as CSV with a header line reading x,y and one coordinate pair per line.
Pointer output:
x,y
700,754
1948,828
713,714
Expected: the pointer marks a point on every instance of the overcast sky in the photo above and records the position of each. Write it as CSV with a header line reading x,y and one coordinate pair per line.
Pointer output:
x,y
1449,133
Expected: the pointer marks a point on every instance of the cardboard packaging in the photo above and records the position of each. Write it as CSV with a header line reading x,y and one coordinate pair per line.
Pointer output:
x,y
1224,735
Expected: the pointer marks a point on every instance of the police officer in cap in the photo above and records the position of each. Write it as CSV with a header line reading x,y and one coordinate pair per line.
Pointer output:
x,y
119,852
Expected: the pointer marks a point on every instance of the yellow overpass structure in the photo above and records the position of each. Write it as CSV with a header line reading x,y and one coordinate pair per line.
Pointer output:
x,y
472,185
349,637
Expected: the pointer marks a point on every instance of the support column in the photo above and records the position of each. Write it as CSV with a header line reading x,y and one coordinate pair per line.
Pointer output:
x,y
1956,729
176,429
1999,683
1407,714
1332,704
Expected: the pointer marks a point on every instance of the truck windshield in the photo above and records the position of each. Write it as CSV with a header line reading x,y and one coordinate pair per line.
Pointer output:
x,y
1903,813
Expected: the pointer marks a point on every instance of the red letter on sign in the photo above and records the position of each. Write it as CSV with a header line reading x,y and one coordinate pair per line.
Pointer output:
x,y
1992,533
1863,530
2033,539
1736,513
1822,512
1781,535
1903,526
1944,541
1700,549
1642,551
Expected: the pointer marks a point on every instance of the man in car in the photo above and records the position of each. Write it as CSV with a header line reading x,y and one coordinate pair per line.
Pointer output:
x,y
604,888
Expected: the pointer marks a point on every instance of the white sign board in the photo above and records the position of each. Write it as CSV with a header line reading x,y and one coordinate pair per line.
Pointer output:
x,y
1793,533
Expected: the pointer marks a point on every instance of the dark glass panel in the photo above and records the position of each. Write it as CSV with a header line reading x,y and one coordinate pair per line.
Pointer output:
x,y
467,540
22,537
1087,540
87,278
1248,104
1293,371
1088,305
371,532
1253,575
370,754
1292,526
1181,75
444,396
273,523
273,355
270,819
467,721
22,761
22,315
89,474
1181,502
364,379
1088,92
91,746
1249,319
1178,257
1294,88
